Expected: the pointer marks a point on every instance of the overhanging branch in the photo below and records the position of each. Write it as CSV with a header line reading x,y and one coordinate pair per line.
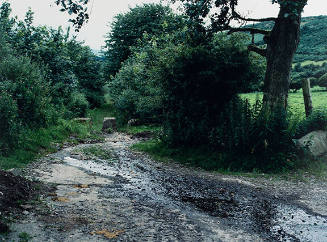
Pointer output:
x,y
238,16
251,30
258,50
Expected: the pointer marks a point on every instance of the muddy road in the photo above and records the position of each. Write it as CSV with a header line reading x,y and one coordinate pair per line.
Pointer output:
x,y
108,192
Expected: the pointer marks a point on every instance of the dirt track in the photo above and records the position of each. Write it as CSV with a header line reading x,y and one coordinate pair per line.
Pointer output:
x,y
129,197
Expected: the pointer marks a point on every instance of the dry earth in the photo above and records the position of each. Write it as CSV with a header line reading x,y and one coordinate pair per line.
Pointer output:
x,y
108,192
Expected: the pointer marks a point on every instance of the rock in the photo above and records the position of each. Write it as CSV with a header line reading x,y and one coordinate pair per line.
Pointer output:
x,y
109,124
314,143
83,120
26,212
132,122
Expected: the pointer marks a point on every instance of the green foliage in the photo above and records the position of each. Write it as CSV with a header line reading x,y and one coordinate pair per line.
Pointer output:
x,y
35,142
316,121
309,60
9,126
45,75
322,82
135,91
24,97
127,29
198,82
24,82
261,138
78,105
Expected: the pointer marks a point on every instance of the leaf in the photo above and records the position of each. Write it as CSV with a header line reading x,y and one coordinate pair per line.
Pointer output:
x,y
107,234
81,186
60,199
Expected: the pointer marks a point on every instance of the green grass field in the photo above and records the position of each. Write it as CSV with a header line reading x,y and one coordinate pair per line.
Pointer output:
x,y
295,100
310,62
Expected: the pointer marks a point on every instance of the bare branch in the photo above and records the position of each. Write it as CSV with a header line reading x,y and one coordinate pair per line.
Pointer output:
x,y
238,16
251,30
258,50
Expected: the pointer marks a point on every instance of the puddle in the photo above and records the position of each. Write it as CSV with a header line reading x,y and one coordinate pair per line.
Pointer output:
x,y
92,166
297,223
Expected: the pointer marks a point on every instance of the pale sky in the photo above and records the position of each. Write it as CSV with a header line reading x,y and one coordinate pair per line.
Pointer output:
x,y
103,11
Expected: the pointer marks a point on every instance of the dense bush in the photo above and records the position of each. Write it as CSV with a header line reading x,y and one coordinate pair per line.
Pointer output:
x,y
24,82
45,75
316,121
253,138
136,90
78,105
199,82
9,127
24,97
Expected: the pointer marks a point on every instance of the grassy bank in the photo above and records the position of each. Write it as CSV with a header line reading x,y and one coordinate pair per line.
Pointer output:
x,y
35,143
207,159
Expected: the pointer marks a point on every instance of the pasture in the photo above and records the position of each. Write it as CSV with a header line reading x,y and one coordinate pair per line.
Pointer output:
x,y
295,100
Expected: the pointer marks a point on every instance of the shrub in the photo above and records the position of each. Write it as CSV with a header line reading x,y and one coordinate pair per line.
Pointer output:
x,y
198,83
316,121
25,83
127,29
253,138
9,124
78,105
136,89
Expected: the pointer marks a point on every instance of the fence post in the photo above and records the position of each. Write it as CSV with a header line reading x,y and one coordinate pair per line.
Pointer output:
x,y
307,96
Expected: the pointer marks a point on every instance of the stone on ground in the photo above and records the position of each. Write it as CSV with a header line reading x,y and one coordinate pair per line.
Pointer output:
x,y
315,143
109,123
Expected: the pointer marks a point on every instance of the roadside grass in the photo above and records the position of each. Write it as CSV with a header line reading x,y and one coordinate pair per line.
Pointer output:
x,y
25,237
95,151
200,157
133,130
36,143
206,159
97,115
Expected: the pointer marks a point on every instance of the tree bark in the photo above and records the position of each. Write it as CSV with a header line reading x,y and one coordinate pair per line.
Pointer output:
x,y
281,47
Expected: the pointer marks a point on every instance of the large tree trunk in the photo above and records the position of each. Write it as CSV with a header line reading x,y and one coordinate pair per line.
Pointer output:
x,y
281,47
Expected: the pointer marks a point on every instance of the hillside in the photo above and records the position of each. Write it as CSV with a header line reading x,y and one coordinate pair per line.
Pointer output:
x,y
311,57
313,45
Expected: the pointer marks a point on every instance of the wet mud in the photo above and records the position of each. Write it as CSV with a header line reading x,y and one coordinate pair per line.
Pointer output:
x,y
129,197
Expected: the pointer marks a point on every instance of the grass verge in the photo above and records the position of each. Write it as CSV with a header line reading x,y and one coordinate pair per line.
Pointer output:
x,y
200,157
134,130
207,159
36,143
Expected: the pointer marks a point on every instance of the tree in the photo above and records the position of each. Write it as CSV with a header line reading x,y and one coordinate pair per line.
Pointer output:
x,y
281,42
128,29
77,8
